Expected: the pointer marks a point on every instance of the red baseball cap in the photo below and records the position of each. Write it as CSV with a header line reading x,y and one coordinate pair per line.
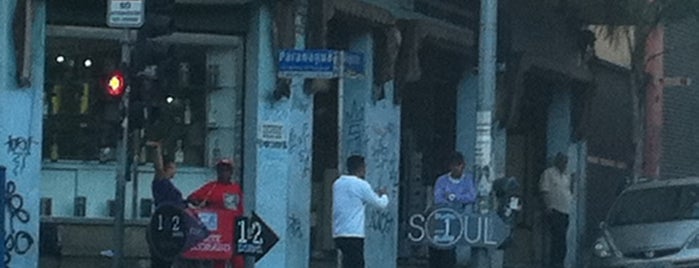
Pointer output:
x,y
225,161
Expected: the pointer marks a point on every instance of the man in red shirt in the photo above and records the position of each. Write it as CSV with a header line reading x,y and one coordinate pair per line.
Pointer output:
x,y
224,193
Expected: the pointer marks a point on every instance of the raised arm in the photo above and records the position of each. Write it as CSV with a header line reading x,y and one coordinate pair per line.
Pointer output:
x,y
372,198
158,158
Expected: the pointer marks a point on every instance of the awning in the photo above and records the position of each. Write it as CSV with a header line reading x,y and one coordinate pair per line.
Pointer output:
x,y
512,89
325,10
418,31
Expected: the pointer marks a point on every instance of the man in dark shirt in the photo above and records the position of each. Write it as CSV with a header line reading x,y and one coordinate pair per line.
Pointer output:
x,y
164,193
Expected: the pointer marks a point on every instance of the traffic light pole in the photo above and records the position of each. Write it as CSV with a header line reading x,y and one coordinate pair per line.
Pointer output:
x,y
484,122
120,196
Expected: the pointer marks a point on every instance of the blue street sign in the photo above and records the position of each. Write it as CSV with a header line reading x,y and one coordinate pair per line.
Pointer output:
x,y
309,63
354,64
319,63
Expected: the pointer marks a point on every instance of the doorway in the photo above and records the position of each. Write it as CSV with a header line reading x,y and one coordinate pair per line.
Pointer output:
x,y
428,127
325,163
526,160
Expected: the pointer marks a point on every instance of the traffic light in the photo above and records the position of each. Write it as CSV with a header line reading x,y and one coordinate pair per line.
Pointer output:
x,y
116,84
159,18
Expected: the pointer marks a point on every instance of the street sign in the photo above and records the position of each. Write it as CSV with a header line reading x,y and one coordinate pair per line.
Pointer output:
x,y
445,228
165,233
254,237
320,63
354,64
311,63
125,13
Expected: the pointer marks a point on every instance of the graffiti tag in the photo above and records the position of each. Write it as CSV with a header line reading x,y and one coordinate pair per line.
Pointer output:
x,y
17,242
381,221
19,148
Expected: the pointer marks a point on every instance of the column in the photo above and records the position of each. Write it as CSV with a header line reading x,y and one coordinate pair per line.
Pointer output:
x,y
558,131
21,133
467,100
299,165
277,154
371,128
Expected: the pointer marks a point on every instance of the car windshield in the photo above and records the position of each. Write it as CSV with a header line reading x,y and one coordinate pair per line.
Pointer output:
x,y
656,205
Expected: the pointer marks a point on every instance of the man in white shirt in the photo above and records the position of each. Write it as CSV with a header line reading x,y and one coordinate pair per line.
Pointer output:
x,y
555,186
351,193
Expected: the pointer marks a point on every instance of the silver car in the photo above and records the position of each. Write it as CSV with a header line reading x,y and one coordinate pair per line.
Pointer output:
x,y
652,224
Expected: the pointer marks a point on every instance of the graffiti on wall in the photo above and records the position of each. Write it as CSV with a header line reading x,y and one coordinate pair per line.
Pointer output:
x,y
17,242
355,128
294,227
383,155
381,221
19,149
301,149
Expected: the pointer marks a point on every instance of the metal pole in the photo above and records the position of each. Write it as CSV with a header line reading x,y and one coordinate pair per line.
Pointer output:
x,y
2,213
340,114
485,108
135,162
119,200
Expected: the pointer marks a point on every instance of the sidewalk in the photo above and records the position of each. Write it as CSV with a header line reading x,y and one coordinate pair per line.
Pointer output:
x,y
331,263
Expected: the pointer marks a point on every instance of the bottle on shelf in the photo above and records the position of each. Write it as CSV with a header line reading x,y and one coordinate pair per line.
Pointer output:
x,y
184,74
54,150
179,153
85,99
187,113
56,99
215,153
213,75
142,155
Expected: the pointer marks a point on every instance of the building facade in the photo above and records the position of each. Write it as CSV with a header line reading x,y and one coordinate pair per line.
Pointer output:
x,y
220,96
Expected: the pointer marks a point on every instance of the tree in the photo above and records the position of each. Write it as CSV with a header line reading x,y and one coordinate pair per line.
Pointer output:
x,y
636,21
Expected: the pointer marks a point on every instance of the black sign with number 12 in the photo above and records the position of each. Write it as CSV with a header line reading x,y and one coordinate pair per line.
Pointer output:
x,y
254,237
166,233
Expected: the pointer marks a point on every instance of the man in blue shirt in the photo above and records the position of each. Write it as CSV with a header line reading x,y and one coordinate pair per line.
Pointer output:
x,y
164,193
455,189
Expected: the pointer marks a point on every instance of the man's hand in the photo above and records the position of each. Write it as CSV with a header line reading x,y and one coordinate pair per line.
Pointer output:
x,y
381,191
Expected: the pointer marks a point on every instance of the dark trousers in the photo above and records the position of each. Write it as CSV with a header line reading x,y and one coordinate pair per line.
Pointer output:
x,y
558,226
352,251
157,262
442,258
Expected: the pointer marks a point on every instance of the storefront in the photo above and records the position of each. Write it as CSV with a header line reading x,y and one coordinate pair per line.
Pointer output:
x,y
195,108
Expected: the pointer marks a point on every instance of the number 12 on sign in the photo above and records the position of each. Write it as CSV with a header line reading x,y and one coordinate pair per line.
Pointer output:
x,y
249,237
175,220
253,234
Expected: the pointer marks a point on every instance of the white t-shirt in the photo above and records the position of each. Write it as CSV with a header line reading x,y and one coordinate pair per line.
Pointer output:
x,y
350,195
556,185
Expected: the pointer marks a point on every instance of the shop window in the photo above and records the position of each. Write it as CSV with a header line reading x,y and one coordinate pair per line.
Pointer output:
x,y
195,104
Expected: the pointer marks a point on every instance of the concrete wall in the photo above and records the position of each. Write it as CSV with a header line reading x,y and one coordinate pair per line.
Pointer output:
x,y
371,128
277,173
21,133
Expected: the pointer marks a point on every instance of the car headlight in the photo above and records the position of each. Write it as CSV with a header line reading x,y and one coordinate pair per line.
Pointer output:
x,y
602,248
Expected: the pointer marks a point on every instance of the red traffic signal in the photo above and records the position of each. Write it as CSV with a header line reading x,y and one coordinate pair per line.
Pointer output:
x,y
116,84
